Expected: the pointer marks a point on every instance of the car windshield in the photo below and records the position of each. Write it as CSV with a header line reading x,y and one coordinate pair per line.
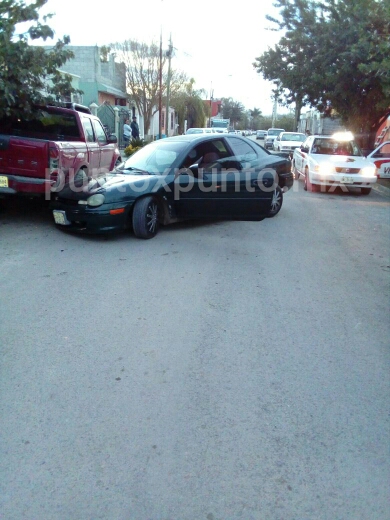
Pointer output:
x,y
274,132
293,137
155,157
336,147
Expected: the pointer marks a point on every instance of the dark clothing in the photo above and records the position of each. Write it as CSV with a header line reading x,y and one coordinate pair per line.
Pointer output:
x,y
134,129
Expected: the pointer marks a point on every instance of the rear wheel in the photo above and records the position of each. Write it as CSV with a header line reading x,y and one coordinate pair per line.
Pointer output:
x,y
365,191
146,217
276,203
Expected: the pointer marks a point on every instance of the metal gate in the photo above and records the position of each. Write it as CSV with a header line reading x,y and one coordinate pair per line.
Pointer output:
x,y
123,115
106,114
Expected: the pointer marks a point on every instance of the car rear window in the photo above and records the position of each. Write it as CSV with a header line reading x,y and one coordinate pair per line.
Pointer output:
x,y
42,124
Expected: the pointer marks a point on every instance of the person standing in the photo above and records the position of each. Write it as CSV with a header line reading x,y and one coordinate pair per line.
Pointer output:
x,y
134,128
126,132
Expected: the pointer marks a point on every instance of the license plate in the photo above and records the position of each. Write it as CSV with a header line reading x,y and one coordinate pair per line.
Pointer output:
x,y
347,179
3,182
60,218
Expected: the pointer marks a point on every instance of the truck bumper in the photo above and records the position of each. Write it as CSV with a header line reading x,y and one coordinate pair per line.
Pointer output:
x,y
13,184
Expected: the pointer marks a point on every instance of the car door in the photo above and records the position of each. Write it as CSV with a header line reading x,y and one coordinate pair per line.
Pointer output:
x,y
251,186
92,146
199,185
233,185
381,158
106,149
300,157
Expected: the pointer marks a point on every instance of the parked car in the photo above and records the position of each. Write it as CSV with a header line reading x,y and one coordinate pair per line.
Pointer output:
x,y
288,141
55,143
260,134
272,133
381,157
333,161
200,131
219,176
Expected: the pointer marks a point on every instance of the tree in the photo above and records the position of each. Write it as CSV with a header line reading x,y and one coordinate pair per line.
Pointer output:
x,y
233,110
189,105
333,55
142,63
28,74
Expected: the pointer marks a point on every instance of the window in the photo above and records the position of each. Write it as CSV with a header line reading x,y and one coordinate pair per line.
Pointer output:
x,y
242,150
100,133
88,130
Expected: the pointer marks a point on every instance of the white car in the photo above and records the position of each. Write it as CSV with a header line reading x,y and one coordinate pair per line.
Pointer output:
x,y
333,161
288,141
200,131
381,157
271,134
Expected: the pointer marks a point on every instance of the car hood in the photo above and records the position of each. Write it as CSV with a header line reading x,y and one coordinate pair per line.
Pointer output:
x,y
343,161
111,183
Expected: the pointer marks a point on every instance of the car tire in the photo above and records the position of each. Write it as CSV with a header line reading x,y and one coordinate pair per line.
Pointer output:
x,y
276,203
146,217
308,186
365,191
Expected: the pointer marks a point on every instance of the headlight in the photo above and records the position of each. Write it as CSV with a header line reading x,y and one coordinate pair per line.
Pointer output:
x,y
370,171
325,168
95,200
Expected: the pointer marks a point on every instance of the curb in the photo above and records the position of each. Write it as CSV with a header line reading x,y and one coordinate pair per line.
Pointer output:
x,y
381,189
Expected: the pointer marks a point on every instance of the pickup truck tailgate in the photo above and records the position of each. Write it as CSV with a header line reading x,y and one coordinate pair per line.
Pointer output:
x,y
23,156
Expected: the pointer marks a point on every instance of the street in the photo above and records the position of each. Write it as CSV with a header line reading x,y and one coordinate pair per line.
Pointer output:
x,y
220,371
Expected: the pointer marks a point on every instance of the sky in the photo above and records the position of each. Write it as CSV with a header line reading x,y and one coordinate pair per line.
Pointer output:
x,y
215,41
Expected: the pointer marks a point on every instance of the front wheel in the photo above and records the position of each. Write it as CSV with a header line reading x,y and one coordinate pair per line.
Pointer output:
x,y
146,217
277,201
308,186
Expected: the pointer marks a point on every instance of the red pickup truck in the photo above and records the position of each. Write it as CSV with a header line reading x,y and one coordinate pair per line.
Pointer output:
x,y
39,154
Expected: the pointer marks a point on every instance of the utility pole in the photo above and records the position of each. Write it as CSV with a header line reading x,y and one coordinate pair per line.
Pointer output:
x,y
275,111
169,54
211,103
160,90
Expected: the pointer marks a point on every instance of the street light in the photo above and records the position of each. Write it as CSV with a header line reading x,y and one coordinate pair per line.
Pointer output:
x,y
211,105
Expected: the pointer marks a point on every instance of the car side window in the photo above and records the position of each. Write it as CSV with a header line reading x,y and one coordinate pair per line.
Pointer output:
x,y
204,152
100,133
88,130
242,150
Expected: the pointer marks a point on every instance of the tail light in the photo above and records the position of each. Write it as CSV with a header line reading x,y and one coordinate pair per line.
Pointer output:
x,y
53,158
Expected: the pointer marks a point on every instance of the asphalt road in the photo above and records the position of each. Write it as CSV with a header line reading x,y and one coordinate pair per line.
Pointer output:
x,y
220,371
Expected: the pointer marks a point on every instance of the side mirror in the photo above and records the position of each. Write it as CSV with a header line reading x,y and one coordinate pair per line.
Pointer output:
x,y
112,139
305,149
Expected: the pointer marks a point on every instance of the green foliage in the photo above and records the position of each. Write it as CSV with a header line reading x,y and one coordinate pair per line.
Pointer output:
x,y
233,110
333,55
189,105
135,145
29,74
